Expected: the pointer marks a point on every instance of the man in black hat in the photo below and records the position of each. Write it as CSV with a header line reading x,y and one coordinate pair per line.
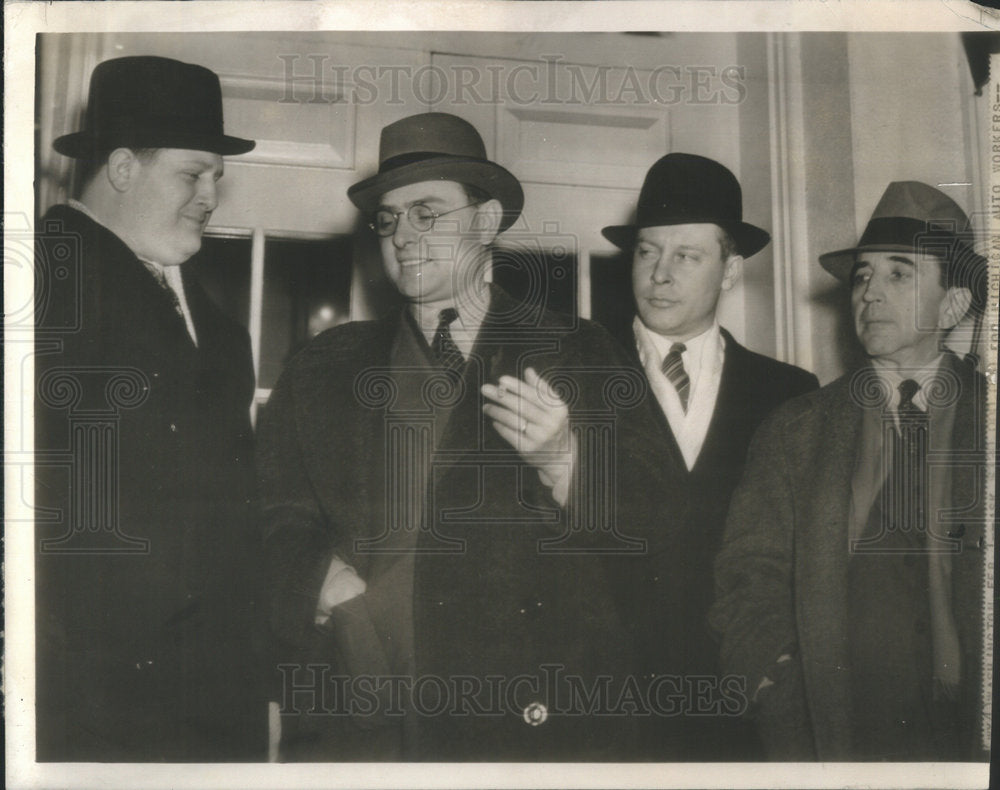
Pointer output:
x,y
148,646
438,507
688,245
850,580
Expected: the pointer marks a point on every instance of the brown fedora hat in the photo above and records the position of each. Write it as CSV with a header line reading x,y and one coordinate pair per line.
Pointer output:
x,y
437,146
152,102
686,189
915,217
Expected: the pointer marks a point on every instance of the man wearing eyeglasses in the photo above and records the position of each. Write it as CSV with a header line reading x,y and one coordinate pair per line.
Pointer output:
x,y
437,559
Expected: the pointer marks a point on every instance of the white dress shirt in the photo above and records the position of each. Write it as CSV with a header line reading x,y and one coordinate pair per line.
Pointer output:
x,y
703,358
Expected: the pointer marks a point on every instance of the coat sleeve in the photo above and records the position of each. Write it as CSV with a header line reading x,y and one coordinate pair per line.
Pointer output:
x,y
754,605
297,538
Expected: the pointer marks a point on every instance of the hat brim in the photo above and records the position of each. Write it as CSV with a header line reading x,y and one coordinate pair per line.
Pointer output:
x,y
83,145
493,179
840,263
749,239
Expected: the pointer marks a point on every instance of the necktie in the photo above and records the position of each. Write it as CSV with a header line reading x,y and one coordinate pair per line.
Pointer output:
x,y
907,485
673,369
443,345
161,280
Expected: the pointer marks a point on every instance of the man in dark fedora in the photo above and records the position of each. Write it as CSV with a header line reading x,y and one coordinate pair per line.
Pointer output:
x,y
688,245
148,645
850,582
436,510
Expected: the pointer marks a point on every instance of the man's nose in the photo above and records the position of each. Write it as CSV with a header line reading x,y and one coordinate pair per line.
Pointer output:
x,y
208,194
874,290
663,271
404,233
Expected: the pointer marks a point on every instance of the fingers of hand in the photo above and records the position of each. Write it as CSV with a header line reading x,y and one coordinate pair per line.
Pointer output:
x,y
508,419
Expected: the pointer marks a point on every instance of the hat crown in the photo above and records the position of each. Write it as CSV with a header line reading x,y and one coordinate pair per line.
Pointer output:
x,y
681,188
147,101
138,90
919,201
427,135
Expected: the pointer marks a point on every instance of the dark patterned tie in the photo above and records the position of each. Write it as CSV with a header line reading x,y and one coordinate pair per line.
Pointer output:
x,y
673,369
161,280
909,463
443,345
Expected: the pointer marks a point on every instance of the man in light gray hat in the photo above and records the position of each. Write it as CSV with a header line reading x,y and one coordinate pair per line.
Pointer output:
x,y
849,585
427,486
148,643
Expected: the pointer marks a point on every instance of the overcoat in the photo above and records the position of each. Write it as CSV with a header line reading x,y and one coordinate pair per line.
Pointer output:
x,y
673,589
505,584
148,641
782,572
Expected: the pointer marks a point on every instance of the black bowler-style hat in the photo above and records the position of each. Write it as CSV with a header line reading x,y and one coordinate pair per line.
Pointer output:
x,y
152,102
685,189
916,217
437,146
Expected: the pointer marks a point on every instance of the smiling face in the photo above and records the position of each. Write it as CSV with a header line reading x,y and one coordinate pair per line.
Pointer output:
x,y
678,273
436,265
169,199
900,306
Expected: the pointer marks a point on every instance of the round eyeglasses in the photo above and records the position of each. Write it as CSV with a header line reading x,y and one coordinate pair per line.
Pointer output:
x,y
421,217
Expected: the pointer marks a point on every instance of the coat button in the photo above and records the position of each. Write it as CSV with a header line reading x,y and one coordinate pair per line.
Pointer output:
x,y
173,428
536,713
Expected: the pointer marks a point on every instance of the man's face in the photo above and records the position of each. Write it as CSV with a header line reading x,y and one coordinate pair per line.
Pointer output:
x,y
677,275
898,302
430,266
169,201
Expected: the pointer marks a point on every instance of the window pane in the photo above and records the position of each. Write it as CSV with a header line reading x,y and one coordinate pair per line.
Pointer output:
x,y
611,302
307,288
543,278
223,268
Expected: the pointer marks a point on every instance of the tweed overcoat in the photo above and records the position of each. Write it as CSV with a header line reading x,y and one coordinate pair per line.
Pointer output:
x,y
509,603
782,571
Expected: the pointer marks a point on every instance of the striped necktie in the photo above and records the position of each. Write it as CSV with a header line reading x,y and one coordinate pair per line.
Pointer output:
x,y
673,369
443,345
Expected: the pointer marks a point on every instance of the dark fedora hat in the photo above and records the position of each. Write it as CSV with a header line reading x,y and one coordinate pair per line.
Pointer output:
x,y
684,189
152,102
437,146
915,217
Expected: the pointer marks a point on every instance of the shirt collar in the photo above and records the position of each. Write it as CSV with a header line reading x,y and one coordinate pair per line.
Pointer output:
x,y
892,376
694,347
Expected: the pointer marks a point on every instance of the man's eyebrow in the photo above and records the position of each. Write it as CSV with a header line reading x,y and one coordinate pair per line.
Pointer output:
x,y
902,259
424,201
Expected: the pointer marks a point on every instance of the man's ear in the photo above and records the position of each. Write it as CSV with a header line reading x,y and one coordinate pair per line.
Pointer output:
x,y
121,168
487,221
734,268
953,307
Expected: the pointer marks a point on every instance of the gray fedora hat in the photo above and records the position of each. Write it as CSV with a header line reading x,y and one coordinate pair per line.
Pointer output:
x,y
437,146
916,217
152,102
